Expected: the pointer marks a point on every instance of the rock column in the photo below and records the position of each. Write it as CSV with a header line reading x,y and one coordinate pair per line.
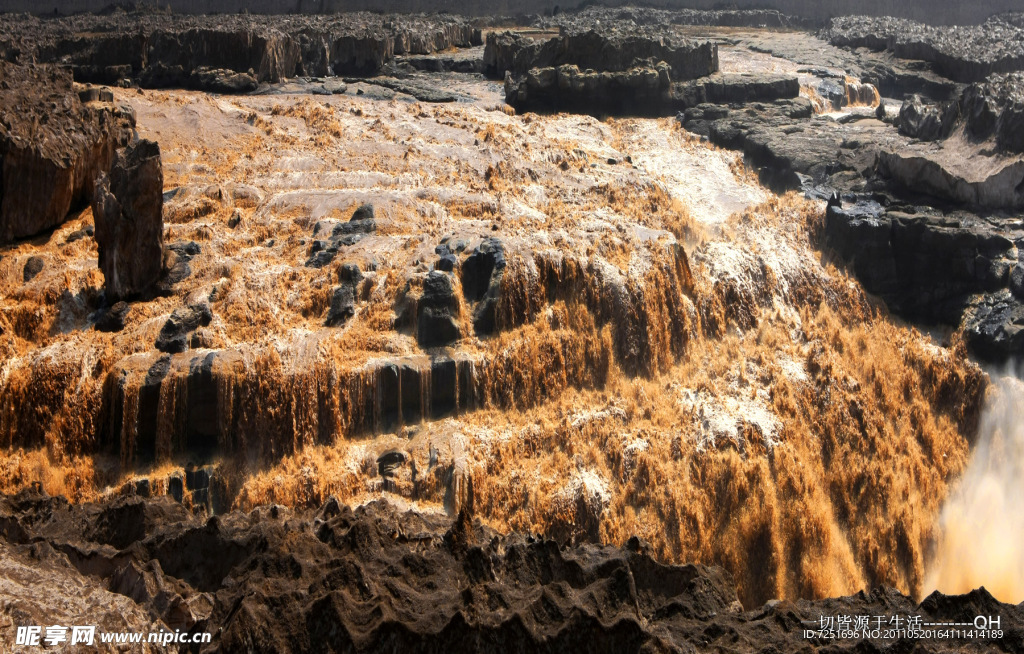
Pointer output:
x,y
128,209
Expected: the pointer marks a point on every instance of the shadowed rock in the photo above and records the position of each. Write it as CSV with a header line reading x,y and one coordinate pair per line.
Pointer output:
x,y
177,257
438,311
481,283
343,306
33,267
445,584
128,209
113,319
174,334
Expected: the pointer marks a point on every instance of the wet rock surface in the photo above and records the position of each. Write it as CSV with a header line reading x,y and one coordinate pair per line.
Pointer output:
x,y
174,335
375,576
52,148
438,308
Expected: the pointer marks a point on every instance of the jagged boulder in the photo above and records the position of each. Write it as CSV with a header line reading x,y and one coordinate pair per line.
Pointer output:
x,y
928,122
481,283
128,208
174,334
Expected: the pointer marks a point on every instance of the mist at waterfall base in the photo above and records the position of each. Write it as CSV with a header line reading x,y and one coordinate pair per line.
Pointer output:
x,y
981,529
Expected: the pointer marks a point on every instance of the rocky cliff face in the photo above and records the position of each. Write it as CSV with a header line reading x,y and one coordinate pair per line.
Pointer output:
x,y
174,51
650,73
52,148
962,53
970,274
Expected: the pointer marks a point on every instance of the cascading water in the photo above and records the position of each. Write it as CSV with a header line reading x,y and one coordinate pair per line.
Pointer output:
x,y
982,525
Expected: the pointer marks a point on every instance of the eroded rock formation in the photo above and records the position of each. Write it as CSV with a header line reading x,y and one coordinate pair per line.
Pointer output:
x,y
52,148
231,53
375,578
128,209
962,53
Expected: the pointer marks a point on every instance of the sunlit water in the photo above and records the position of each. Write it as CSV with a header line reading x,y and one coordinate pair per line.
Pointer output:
x,y
981,540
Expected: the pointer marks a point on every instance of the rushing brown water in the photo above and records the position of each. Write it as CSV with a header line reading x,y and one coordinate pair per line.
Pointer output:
x,y
673,358
981,527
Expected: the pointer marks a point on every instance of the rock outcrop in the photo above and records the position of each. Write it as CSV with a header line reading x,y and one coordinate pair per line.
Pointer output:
x,y
175,334
229,53
594,50
735,88
375,578
128,208
638,91
960,175
992,110
482,273
962,53
901,216
995,109
589,71
52,148
937,267
926,121
330,236
438,311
